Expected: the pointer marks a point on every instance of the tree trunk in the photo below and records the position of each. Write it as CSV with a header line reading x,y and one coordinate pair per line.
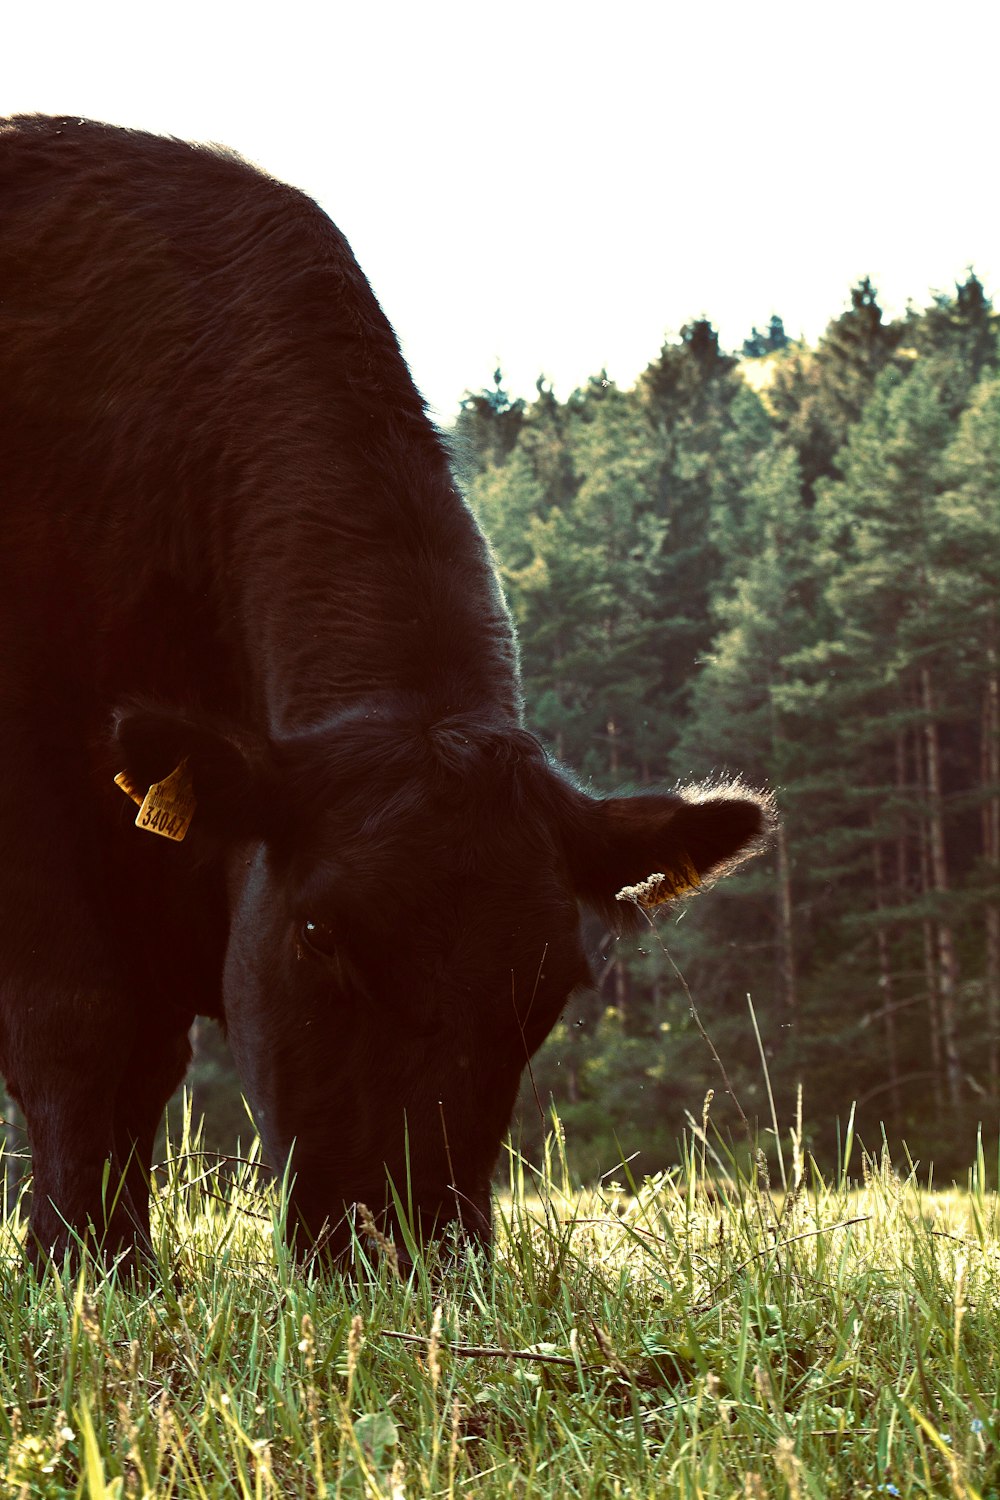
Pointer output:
x,y
789,984
927,929
990,780
903,794
947,961
887,989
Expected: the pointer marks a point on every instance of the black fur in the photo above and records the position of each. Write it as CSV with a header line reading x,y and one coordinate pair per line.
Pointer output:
x,y
231,537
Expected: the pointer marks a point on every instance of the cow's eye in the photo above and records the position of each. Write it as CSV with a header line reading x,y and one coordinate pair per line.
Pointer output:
x,y
319,939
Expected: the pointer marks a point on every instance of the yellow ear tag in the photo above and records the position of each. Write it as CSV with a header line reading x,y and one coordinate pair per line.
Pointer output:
x,y
168,806
657,889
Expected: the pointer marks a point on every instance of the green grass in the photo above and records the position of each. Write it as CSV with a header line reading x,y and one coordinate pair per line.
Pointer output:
x,y
694,1335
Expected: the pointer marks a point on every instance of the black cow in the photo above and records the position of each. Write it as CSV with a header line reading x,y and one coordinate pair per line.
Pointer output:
x,y
236,569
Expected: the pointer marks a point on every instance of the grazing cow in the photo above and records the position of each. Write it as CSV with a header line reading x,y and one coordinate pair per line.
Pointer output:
x,y
239,579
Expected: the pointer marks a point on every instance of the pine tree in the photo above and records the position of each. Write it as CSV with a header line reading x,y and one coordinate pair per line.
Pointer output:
x,y
818,396
892,624
700,410
969,560
760,344
583,599
545,441
487,427
959,334
506,499
742,712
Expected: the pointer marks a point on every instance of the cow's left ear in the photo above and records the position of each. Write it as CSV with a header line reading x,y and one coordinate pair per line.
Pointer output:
x,y
228,773
616,843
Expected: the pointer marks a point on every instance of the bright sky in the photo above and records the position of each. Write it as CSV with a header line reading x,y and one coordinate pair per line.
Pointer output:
x,y
558,186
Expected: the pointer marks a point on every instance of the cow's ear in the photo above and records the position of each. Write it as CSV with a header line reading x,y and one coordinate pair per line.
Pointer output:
x,y
229,774
616,843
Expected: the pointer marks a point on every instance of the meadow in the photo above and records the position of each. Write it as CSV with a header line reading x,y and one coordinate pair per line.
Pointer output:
x,y
727,1329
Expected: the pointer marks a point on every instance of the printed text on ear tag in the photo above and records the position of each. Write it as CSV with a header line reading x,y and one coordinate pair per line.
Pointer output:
x,y
168,806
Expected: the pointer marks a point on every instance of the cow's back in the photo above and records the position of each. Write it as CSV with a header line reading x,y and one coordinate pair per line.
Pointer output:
x,y
211,448
168,314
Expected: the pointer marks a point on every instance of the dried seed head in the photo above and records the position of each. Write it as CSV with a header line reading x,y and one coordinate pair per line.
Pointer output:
x,y
307,1343
433,1349
378,1238
354,1341
660,887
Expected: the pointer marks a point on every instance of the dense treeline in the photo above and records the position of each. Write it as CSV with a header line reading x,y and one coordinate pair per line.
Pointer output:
x,y
785,566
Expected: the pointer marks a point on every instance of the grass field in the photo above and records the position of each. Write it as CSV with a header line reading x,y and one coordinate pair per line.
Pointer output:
x,y
708,1333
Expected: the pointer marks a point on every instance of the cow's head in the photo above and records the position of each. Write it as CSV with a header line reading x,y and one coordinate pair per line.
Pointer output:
x,y
404,933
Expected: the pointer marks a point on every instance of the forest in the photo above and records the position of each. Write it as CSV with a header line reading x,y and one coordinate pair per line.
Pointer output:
x,y
781,565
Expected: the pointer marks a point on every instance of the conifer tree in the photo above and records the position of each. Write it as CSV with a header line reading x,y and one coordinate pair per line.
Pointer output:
x,y
881,521
487,427
698,407
969,558
744,713
959,334
817,396
583,599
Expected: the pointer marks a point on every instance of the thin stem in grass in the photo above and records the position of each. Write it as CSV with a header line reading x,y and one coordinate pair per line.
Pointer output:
x,y
807,1234
219,1159
730,1090
489,1351
521,1026
770,1094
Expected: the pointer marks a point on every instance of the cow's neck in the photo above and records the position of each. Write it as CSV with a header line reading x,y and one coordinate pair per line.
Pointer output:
x,y
381,588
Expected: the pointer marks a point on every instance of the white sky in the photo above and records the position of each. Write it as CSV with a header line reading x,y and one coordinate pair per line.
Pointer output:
x,y
560,185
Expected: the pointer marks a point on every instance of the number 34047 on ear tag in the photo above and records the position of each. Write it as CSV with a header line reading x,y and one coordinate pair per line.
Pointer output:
x,y
169,805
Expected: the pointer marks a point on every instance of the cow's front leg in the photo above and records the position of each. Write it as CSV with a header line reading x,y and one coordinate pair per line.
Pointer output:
x,y
68,1018
64,1072
156,1067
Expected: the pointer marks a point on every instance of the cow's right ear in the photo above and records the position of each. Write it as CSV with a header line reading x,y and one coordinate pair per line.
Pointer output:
x,y
229,774
625,853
